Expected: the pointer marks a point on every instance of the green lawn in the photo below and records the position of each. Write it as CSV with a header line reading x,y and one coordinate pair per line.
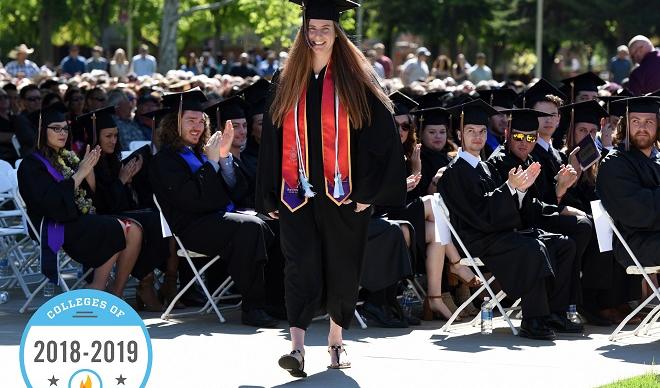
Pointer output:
x,y
649,380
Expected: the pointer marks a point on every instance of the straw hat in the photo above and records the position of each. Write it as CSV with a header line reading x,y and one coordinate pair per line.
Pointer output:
x,y
23,48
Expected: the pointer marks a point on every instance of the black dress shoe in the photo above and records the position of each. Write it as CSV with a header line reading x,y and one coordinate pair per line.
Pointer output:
x,y
535,328
561,324
593,318
258,318
382,316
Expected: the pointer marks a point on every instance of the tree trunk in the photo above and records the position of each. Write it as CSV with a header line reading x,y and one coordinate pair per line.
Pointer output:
x,y
167,55
46,16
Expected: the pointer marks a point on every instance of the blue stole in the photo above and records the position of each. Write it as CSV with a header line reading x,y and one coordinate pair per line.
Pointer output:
x,y
491,140
51,232
195,164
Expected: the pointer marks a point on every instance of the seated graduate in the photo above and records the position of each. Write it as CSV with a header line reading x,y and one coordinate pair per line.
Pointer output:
x,y
233,109
500,100
521,135
628,181
114,194
197,184
418,211
486,212
255,96
57,187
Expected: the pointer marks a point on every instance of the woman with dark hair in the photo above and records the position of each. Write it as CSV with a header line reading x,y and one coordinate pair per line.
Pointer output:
x,y
95,98
441,68
75,103
198,185
57,189
114,194
329,152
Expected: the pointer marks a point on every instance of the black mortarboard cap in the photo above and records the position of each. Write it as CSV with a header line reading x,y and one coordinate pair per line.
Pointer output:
x,y
585,112
432,99
192,99
222,110
652,94
475,112
432,116
325,9
524,120
498,97
642,104
157,115
607,104
95,121
402,103
584,82
538,92
54,113
627,93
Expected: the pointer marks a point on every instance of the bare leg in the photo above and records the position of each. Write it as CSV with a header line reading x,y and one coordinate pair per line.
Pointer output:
x,y
335,339
127,258
102,273
298,342
405,230
435,261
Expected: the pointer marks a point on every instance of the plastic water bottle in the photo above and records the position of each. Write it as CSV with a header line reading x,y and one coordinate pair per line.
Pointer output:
x,y
49,289
407,300
486,317
5,270
571,314
4,297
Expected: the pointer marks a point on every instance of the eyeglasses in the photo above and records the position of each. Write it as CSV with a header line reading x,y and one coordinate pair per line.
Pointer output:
x,y
59,129
405,126
33,99
522,136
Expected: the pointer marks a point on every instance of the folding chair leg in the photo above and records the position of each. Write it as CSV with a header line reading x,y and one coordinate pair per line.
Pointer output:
x,y
616,335
464,305
82,279
648,321
360,320
32,295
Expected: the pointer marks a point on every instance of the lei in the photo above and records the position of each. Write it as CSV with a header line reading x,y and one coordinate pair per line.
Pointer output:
x,y
65,162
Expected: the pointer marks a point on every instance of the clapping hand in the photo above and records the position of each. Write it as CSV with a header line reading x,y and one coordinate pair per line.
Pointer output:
x,y
416,160
566,177
130,169
521,179
90,159
219,145
412,181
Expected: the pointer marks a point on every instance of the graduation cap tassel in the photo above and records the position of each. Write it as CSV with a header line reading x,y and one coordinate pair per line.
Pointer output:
x,y
217,119
178,116
39,133
93,129
627,145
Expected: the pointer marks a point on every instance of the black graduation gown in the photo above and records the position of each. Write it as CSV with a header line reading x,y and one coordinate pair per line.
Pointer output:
x,y
195,204
112,197
486,215
323,243
89,239
628,184
247,200
551,161
432,161
387,258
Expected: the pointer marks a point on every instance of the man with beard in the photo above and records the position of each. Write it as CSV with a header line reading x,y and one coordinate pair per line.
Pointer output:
x,y
629,181
500,99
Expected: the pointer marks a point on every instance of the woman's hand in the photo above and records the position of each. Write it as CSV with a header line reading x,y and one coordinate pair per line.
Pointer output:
x,y
416,160
86,166
412,181
130,169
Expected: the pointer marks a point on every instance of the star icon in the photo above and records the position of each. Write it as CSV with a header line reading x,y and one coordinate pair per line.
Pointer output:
x,y
53,381
120,380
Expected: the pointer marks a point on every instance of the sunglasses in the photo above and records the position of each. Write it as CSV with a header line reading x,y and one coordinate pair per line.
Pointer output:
x,y
33,99
405,127
522,136
59,129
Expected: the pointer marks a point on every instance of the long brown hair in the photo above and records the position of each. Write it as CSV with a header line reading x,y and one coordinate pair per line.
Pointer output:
x,y
168,133
590,174
352,73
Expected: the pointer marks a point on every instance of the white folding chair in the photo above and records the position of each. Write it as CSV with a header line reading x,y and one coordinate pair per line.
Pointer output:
x,y
475,263
137,144
17,145
183,252
605,229
66,263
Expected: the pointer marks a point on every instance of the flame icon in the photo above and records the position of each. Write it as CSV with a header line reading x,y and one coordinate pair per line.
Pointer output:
x,y
87,383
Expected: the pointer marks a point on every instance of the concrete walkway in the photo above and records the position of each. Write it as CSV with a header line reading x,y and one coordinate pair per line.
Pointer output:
x,y
201,352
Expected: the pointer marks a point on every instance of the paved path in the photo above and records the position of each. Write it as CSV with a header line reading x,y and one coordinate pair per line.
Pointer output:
x,y
200,352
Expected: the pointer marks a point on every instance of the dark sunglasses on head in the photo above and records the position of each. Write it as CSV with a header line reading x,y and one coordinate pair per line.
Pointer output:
x,y
406,127
59,129
522,136
33,99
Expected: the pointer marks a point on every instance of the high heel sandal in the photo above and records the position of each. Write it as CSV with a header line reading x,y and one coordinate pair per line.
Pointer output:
x,y
472,282
168,291
429,314
291,364
145,296
338,349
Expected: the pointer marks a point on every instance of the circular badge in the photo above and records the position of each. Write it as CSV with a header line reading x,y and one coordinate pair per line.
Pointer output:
x,y
85,339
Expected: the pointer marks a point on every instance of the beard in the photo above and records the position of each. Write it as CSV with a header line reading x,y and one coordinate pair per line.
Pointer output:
x,y
642,143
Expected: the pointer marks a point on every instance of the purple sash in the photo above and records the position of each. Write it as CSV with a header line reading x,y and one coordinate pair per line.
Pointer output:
x,y
195,164
52,233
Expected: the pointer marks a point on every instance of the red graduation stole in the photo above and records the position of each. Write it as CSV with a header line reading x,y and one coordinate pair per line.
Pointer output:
x,y
335,130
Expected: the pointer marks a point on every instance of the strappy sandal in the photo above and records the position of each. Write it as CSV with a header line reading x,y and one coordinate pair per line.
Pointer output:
x,y
291,364
338,349
472,282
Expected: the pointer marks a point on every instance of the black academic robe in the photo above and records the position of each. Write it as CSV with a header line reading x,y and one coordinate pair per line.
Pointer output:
x,y
247,201
112,197
628,184
89,239
432,161
7,150
195,206
486,216
551,161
